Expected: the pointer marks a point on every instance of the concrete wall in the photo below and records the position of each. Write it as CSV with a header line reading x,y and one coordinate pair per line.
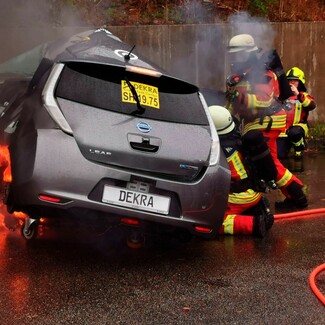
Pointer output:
x,y
197,52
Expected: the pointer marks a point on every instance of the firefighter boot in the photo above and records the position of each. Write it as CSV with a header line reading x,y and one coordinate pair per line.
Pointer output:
x,y
299,148
298,155
259,226
298,165
297,198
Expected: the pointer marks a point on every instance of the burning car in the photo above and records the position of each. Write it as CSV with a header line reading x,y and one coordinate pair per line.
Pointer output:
x,y
95,130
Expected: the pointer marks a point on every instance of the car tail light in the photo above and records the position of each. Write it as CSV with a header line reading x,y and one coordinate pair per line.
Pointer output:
x,y
49,198
130,221
53,199
205,230
49,101
215,144
215,153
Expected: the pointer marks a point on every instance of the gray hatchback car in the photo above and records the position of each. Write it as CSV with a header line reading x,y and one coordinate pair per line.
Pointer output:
x,y
96,131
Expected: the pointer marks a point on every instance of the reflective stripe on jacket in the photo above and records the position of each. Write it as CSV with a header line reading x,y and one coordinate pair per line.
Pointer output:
x,y
238,173
246,197
258,91
301,106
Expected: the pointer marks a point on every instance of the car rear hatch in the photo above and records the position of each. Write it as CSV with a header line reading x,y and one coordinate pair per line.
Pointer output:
x,y
153,124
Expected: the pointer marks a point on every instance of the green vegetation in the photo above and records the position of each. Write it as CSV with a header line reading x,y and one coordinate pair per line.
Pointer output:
x,y
153,12
260,7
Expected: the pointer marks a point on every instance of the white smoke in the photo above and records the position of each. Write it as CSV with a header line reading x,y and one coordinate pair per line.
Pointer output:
x,y
205,60
261,29
22,13
26,24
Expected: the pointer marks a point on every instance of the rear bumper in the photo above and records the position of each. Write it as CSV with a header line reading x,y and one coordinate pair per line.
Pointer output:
x,y
60,170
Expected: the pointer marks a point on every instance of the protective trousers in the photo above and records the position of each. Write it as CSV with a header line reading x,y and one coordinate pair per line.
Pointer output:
x,y
236,221
263,166
290,185
296,135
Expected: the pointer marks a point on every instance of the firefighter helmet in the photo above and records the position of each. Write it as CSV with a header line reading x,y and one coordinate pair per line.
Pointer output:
x,y
296,74
242,43
222,119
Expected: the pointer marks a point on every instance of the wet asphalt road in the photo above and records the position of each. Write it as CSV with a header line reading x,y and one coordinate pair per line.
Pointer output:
x,y
72,276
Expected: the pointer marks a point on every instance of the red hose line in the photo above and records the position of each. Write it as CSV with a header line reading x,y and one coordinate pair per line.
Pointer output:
x,y
301,213
312,282
320,268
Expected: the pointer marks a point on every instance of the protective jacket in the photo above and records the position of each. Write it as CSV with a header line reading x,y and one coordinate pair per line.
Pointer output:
x,y
301,105
241,196
297,125
256,101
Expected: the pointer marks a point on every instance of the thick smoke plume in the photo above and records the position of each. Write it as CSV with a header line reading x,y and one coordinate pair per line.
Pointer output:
x,y
26,24
261,29
205,61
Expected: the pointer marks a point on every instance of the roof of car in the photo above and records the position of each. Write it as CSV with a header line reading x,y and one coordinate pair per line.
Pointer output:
x,y
97,46
93,46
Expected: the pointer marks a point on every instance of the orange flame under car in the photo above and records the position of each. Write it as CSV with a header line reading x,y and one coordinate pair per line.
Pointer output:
x,y
5,163
5,166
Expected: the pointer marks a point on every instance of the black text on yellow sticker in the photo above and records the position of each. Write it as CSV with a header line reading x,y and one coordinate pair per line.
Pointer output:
x,y
148,95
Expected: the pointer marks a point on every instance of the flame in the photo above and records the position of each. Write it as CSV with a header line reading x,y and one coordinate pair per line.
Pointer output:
x,y
5,163
5,166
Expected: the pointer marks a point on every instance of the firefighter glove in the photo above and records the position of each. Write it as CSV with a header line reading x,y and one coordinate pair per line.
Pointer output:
x,y
231,96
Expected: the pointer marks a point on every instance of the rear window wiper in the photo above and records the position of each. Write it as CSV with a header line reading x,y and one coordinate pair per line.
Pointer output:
x,y
140,109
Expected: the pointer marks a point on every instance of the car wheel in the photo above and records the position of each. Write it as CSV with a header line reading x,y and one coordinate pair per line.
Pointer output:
x,y
31,232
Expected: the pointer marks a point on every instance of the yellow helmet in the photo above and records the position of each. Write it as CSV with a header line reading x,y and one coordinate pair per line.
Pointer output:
x,y
296,74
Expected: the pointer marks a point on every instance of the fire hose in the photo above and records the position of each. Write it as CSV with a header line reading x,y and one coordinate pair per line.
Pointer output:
x,y
318,269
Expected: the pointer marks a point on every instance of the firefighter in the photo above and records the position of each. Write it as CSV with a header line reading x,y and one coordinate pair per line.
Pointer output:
x,y
247,211
301,103
253,94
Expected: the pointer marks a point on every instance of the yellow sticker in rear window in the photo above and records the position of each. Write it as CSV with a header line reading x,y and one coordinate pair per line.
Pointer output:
x,y
148,95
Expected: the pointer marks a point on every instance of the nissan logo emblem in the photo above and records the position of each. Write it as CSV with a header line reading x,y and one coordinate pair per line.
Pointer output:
x,y
144,127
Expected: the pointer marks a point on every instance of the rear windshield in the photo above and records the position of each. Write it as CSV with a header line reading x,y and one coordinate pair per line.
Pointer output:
x,y
108,87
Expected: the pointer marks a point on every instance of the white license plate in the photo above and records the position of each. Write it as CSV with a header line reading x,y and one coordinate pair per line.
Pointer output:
x,y
136,200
